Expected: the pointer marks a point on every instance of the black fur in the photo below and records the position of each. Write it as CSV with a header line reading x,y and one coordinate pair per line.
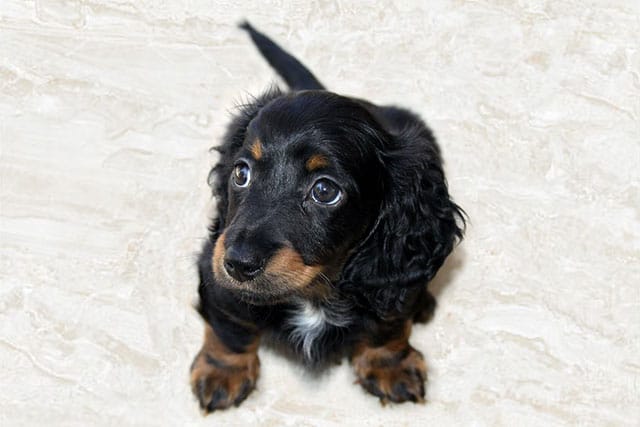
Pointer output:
x,y
292,71
379,247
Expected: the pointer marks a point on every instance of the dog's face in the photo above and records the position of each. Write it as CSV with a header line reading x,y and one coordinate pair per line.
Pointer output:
x,y
302,190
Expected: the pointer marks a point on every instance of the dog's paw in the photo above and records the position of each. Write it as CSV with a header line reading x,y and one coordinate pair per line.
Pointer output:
x,y
399,378
219,384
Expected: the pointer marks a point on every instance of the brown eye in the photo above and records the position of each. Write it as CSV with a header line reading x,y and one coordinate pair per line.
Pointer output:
x,y
241,174
326,192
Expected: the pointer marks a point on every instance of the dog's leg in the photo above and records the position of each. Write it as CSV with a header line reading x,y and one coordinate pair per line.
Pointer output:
x,y
426,308
388,367
224,373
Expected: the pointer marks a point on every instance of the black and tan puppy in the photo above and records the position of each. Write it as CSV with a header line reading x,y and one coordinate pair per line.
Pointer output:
x,y
333,214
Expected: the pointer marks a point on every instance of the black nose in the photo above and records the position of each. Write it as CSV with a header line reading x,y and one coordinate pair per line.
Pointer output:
x,y
242,266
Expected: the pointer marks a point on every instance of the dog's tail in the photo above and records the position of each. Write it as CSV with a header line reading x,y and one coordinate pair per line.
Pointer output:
x,y
297,76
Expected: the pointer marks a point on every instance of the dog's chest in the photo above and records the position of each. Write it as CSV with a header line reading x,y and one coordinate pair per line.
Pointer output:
x,y
309,323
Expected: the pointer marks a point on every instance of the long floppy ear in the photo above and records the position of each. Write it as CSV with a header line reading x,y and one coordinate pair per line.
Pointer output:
x,y
418,225
231,143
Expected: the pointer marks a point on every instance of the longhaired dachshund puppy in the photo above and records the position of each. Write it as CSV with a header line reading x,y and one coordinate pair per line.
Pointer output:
x,y
333,214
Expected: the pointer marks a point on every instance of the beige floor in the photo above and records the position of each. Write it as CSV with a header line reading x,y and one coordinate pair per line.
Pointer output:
x,y
107,109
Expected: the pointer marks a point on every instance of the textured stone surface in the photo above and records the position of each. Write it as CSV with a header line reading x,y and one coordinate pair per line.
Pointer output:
x,y
107,111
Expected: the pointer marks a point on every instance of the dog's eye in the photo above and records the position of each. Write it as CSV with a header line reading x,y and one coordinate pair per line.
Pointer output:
x,y
241,174
326,192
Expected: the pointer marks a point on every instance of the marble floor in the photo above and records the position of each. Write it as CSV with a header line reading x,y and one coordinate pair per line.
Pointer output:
x,y
108,109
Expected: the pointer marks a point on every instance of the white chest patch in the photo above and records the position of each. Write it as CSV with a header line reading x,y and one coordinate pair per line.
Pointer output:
x,y
309,322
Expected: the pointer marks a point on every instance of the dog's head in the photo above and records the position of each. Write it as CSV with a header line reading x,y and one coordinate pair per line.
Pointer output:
x,y
313,189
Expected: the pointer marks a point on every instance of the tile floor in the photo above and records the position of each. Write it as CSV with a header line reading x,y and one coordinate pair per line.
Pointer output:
x,y
107,111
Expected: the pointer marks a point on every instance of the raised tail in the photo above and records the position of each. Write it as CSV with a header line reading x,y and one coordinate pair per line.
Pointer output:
x,y
297,76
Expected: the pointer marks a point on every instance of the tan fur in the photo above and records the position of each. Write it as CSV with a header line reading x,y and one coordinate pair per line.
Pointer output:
x,y
256,149
380,363
218,255
317,161
288,264
230,371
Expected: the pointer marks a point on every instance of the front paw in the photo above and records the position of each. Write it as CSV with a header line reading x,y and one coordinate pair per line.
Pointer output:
x,y
398,377
218,384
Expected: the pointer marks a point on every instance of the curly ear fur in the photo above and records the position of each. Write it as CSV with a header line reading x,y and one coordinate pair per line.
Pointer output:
x,y
418,225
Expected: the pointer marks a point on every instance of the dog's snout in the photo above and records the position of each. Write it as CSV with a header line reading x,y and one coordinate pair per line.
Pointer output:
x,y
242,265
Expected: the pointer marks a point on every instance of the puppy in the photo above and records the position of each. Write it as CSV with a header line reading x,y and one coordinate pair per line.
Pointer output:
x,y
333,214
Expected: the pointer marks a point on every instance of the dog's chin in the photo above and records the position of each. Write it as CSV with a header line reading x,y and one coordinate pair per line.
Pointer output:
x,y
258,298
258,291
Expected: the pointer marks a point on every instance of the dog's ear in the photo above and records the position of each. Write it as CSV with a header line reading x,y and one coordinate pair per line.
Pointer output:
x,y
418,224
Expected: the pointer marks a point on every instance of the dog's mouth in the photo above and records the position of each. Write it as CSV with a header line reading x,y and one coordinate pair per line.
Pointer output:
x,y
269,290
255,297
284,276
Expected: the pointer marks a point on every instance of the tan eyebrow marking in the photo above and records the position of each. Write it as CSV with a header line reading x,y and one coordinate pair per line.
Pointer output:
x,y
316,161
256,149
